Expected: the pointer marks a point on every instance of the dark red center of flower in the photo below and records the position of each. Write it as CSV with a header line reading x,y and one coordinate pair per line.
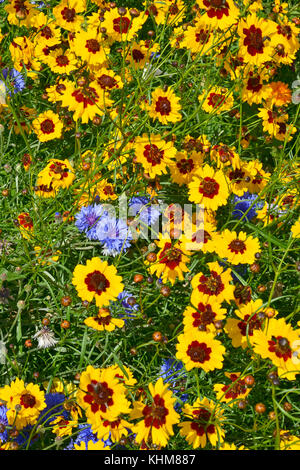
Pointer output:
x,y
68,14
106,81
216,8
215,99
237,175
97,282
163,106
202,36
121,24
281,347
25,220
170,256
99,396
237,246
27,400
285,30
211,285
62,60
198,352
173,9
137,55
47,126
87,96
247,325
253,84
203,316
92,45
155,415
233,391
20,8
46,32
58,168
209,187
253,40
153,154
185,165
201,422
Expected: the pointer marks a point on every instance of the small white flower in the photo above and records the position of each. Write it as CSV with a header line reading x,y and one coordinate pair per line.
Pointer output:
x,y
45,338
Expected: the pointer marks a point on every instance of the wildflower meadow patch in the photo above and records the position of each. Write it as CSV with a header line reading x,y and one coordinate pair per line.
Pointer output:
x,y
149,228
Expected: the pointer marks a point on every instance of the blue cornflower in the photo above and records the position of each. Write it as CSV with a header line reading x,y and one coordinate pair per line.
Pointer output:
x,y
54,408
113,234
13,80
86,220
171,371
3,424
85,436
146,212
242,204
122,308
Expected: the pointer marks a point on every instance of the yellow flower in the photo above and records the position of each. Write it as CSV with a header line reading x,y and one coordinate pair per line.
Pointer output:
x,y
216,100
90,445
122,27
47,126
203,316
24,403
185,165
57,173
63,427
208,187
295,229
219,15
62,62
158,415
66,14
97,280
90,47
237,248
200,350
289,441
154,153
204,423
104,321
164,106
235,391
216,284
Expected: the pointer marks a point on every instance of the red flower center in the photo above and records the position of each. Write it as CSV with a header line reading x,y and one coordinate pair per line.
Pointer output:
x,y
87,96
99,396
203,317
211,285
121,24
155,415
25,220
199,352
237,246
281,347
153,154
254,84
97,282
59,168
217,8
215,99
104,321
234,391
106,81
242,294
163,106
47,126
209,187
170,256
68,14
92,45
46,32
185,165
253,40
247,325
137,55
202,36
62,60
28,400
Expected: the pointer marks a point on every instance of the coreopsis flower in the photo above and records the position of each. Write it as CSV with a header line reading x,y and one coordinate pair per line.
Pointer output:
x,y
255,39
279,342
62,62
63,427
42,190
85,100
20,13
251,318
90,46
285,41
154,153
108,80
217,100
254,90
104,321
172,260
46,256
208,187
47,126
125,375
184,166
200,350
57,173
158,415
67,15
259,178
24,403
199,38
238,179
25,225
101,395
237,248
204,423
219,14
164,106
55,92
203,316
46,31
97,280
225,156
122,27
111,429
233,392
216,283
